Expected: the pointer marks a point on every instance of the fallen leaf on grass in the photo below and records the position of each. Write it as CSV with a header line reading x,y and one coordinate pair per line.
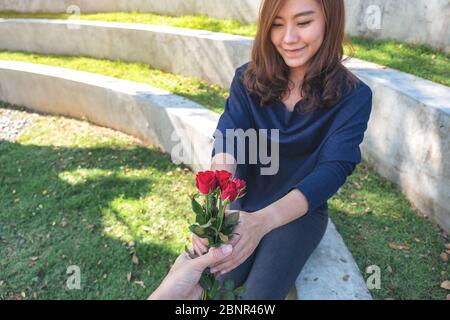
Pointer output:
x,y
445,285
64,223
135,259
444,256
140,283
403,246
357,185
129,276
32,261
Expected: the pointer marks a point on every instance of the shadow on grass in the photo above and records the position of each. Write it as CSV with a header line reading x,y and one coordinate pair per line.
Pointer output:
x,y
50,221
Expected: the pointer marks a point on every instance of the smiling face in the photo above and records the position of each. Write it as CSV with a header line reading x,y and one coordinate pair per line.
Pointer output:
x,y
298,32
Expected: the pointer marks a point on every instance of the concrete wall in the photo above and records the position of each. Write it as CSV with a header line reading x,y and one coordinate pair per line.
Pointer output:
x,y
417,21
156,116
207,55
414,21
242,10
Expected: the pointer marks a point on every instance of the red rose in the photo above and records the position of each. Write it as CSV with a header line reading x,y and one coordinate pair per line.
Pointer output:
x,y
223,177
240,185
230,191
206,181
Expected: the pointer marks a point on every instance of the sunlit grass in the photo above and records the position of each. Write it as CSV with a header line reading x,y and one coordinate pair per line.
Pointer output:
x,y
76,194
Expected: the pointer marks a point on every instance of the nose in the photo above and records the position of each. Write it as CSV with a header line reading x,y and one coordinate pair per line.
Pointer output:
x,y
290,35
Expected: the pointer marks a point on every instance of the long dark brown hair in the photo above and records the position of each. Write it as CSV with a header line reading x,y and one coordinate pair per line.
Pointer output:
x,y
325,81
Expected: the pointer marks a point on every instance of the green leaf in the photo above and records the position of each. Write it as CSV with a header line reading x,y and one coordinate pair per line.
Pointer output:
x,y
239,291
199,211
227,230
217,296
208,224
232,219
198,230
223,237
228,296
201,219
214,288
205,282
196,207
212,242
210,200
228,284
214,211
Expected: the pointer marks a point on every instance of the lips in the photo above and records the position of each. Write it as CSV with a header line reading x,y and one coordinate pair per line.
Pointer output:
x,y
293,52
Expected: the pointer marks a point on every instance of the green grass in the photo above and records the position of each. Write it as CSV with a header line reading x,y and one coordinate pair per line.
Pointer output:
x,y
371,213
76,194
198,22
418,60
211,96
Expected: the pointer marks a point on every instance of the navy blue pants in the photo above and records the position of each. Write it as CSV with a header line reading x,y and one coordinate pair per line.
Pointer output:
x,y
270,272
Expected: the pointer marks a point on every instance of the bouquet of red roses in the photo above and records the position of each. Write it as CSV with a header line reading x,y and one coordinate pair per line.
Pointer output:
x,y
217,190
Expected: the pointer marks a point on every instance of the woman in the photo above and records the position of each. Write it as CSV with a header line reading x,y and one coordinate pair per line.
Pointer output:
x,y
296,83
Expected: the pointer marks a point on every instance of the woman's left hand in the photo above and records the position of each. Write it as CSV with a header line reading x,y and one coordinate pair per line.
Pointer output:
x,y
250,230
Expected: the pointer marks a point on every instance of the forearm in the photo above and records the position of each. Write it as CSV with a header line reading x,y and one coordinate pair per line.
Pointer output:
x,y
309,194
160,294
290,207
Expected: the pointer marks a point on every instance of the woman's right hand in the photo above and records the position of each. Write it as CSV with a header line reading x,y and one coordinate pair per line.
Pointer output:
x,y
200,244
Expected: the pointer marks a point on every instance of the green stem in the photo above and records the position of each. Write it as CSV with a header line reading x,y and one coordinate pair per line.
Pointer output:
x,y
204,295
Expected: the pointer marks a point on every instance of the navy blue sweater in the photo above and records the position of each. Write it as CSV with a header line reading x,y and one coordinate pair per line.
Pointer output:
x,y
317,150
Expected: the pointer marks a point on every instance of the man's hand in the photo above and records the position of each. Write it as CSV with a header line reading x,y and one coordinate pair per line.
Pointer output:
x,y
181,283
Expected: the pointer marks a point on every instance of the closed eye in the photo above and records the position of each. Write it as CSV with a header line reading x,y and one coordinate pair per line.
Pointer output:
x,y
304,23
299,24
